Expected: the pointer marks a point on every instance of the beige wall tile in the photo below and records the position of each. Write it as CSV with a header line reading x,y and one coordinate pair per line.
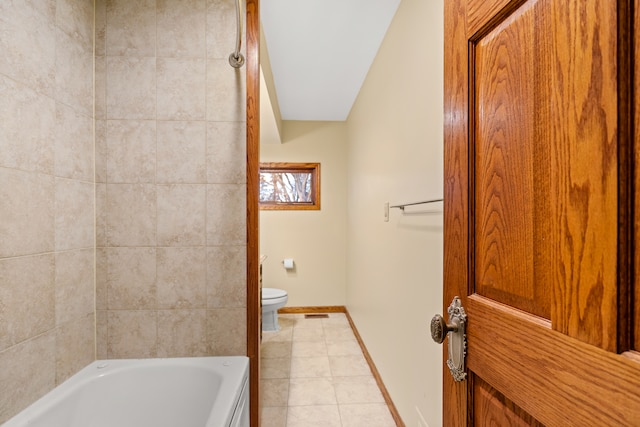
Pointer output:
x,y
28,121
221,29
100,87
46,8
227,332
131,215
28,42
101,215
74,285
101,335
226,92
74,73
131,27
74,214
181,214
182,275
132,334
29,371
74,147
181,152
226,152
131,148
181,28
27,212
226,214
101,150
75,346
46,108
75,17
182,333
101,279
131,88
131,278
226,276
100,27
27,298
180,88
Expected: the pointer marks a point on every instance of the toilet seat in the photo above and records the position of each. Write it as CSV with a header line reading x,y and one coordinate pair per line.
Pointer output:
x,y
271,293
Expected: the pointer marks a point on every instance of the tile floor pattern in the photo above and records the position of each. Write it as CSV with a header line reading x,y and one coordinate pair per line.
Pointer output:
x,y
314,374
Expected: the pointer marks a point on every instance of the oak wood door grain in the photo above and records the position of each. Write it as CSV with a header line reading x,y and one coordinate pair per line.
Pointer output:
x,y
540,224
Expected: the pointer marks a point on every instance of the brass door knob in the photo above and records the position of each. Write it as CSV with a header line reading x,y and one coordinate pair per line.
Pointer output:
x,y
440,328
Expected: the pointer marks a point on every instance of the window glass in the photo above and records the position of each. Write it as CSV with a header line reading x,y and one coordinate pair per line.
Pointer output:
x,y
289,186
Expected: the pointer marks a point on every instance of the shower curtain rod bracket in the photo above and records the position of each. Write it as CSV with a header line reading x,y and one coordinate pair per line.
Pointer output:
x,y
236,61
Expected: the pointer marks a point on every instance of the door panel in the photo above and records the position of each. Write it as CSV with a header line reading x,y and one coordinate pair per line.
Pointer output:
x,y
582,123
507,149
539,190
493,409
555,378
480,12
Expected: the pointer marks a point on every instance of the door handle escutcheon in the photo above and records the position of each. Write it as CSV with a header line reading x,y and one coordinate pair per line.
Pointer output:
x,y
455,329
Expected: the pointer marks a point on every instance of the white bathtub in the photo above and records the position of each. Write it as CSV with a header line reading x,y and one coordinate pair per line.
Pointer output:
x,y
181,392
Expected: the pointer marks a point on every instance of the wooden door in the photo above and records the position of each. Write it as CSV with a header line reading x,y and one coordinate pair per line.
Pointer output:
x,y
541,211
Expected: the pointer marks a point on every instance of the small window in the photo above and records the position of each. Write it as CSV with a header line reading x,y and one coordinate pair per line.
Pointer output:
x,y
290,186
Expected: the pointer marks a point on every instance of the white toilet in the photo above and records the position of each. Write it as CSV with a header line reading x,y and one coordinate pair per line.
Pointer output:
x,y
272,300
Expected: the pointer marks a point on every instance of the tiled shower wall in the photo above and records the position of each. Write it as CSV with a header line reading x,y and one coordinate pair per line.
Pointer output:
x,y
150,227
170,172
47,248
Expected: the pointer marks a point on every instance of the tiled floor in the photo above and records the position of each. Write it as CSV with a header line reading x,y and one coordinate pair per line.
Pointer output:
x,y
314,374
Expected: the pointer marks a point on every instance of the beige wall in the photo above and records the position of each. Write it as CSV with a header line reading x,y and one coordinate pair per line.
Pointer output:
x,y
394,273
316,240
171,187
47,328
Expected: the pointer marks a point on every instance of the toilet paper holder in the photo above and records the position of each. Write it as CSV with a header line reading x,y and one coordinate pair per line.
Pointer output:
x,y
288,263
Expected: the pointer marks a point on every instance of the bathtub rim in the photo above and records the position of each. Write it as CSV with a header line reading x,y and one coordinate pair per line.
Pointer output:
x,y
235,370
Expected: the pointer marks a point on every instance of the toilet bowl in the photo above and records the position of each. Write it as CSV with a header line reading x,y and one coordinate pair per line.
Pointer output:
x,y
272,300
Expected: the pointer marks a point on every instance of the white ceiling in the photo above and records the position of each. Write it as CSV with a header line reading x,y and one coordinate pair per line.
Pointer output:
x,y
320,52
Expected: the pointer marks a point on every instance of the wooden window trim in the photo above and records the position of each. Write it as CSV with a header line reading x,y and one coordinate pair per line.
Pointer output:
x,y
313,168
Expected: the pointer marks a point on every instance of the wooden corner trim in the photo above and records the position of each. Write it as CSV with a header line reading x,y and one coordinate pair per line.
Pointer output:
x,y
314,309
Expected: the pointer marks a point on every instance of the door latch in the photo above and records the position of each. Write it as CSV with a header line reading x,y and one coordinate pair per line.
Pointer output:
x,y
455,330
